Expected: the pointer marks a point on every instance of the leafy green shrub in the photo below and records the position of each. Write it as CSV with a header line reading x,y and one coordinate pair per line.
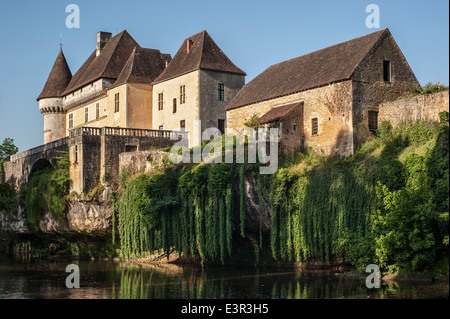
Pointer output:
x,y
47,191
430,88
7,197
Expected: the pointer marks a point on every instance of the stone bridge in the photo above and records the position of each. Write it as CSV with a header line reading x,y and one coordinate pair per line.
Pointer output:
x,y
21,165
93,153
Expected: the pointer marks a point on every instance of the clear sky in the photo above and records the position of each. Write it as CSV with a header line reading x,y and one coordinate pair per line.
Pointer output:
x,y
254,35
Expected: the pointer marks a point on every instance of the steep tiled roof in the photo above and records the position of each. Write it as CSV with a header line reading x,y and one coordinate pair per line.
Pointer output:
x,y
143,66
58,79
204,53
278,113
332,64
108,64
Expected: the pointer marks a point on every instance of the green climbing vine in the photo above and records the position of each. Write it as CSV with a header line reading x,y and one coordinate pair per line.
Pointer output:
x,y
354,210
183,209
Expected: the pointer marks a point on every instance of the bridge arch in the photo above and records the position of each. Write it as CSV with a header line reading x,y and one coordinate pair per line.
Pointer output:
x,y
39,165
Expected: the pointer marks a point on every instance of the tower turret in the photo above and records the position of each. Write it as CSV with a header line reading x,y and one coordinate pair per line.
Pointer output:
x,y
51,100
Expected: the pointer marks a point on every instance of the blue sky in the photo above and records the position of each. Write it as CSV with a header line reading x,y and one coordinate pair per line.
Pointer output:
x,y
254,35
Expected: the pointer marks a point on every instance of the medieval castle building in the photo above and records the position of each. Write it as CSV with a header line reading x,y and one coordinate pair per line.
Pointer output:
x,y
122,85
126,98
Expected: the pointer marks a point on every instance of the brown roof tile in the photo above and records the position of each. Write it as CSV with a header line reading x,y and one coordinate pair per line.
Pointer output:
x,y
278,113
143,66
332,64
204,53
108,64
58,79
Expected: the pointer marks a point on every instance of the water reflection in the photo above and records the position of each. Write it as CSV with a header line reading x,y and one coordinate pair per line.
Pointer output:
x,y
28,277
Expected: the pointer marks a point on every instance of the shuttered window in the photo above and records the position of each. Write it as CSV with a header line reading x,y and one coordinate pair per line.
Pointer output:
x,y
116,103
315,126
373,120
182,94
160,101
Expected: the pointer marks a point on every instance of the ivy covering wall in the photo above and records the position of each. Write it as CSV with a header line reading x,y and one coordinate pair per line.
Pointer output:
x,y
387,205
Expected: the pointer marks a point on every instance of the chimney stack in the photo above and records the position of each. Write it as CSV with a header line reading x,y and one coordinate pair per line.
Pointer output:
x,y
188,45
102,38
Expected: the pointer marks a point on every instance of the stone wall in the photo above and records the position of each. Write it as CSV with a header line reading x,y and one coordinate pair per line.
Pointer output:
x,y
370,89
188,111
421,107
330,104
98,155
141,162
292,131
211,109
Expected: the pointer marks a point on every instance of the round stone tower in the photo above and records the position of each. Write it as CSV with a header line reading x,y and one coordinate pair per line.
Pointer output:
x,y
51,100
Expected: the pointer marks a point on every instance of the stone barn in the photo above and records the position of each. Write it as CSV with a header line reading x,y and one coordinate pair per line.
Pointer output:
x,y
336,92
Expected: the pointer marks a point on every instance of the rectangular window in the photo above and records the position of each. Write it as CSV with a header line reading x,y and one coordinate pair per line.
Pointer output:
x,y
221,92
182,125
76,153
387,71
221,126
86,115
315,126
182,94
97,111
373,120
174,105
116,103
160,101
295,127
161,128
71,120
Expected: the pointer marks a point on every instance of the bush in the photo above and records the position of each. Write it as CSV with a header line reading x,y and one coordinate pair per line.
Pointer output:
x,y
47,191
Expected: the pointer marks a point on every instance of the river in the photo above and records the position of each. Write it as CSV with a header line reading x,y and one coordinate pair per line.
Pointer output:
x,y
28,277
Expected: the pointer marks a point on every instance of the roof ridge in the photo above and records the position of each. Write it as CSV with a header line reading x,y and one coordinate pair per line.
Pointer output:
x,y
203,33
330,46
332,64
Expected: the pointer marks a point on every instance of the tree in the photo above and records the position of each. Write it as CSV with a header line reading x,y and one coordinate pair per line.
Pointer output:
x,y
7,148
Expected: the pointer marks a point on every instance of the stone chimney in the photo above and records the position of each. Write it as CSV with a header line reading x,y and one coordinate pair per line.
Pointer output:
x,y
188,45
102,38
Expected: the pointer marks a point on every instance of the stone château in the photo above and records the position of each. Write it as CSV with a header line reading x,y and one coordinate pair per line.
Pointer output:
x,y
126,98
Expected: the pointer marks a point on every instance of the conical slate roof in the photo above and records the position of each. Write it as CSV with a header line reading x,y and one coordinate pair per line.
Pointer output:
x,y
203,53
58,79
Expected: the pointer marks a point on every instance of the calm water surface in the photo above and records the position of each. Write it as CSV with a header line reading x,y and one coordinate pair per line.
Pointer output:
x,y
26,277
